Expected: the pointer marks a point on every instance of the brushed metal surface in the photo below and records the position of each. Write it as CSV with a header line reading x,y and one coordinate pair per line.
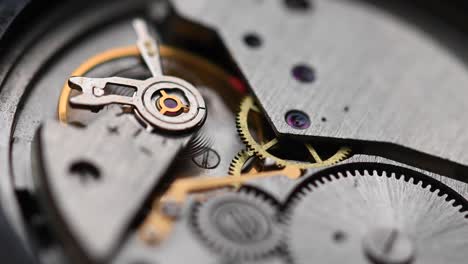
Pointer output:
x,y
356,204
366,59
401,74
92,211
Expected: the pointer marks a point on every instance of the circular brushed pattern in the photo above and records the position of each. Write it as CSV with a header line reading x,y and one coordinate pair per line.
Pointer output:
x,y
426,222
239,225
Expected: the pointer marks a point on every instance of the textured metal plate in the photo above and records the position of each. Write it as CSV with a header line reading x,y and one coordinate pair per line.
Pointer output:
x,y
95,180
403,80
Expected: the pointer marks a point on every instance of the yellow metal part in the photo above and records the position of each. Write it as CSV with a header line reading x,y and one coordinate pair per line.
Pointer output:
x,y
261,149
238,162
158,224
87,66
164,109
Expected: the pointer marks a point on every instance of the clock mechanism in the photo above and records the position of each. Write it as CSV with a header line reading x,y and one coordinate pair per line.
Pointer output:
x,y
171,131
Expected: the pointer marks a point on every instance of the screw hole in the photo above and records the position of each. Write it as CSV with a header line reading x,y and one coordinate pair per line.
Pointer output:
x,y
303,73
297,119
85,170
346,109
324,119
252,40
339,236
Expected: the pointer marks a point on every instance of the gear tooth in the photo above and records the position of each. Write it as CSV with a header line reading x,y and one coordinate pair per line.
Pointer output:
x,y
242,114
464,209
237,163
404,177
429,188
443,195
451,202
420,184
321,181
329,178
457,206
358,173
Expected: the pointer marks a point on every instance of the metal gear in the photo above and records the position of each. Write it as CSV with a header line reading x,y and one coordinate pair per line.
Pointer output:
x,y
263,149
238,163
374,213
240,225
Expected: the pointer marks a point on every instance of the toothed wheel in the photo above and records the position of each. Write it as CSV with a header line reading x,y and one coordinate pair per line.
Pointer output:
x,y
367,213
242,163
239,225
263,142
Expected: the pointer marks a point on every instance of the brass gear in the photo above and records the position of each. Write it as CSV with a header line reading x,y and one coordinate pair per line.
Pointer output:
x,y
261,149
238,162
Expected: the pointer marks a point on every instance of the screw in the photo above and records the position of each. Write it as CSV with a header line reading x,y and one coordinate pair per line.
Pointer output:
x,y
297,119
388,246
208,159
